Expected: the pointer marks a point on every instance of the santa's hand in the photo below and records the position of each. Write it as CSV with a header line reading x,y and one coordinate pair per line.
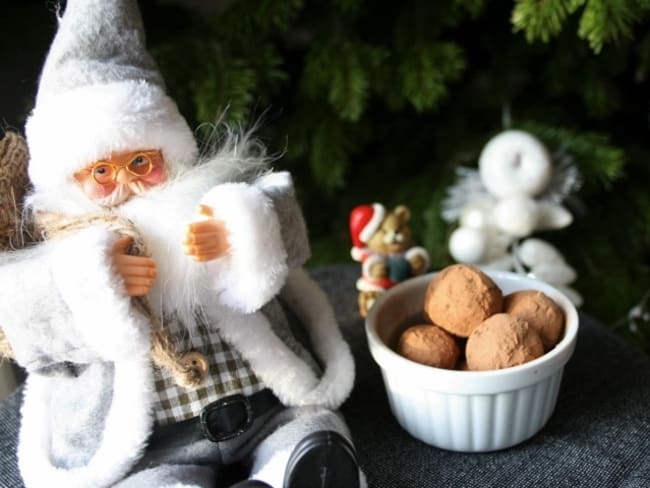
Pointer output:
x,y
138,272
206,240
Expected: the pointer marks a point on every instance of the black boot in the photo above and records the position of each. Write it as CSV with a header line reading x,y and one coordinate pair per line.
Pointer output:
x,y
251,484
323,459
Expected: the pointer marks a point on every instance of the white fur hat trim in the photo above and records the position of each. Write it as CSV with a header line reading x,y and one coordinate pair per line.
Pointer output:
x,y
79,126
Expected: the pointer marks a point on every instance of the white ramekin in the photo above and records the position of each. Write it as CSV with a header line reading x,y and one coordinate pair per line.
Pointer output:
x,y
469,411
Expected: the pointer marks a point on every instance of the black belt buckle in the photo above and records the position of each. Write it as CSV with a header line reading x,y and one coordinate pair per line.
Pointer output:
x,y
226,418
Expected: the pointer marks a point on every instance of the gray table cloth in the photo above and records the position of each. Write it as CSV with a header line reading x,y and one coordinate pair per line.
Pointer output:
x,y
598,436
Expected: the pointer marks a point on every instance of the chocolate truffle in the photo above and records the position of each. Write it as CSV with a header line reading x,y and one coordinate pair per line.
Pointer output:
x,y
541,313
460,297
502,341
430,345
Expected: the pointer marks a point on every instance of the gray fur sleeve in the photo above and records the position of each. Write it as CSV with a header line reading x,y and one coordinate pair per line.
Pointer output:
x,y
33,315
60,302
279,187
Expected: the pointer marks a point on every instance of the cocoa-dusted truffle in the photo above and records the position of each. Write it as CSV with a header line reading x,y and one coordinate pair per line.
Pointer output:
x,y
430,345
542,313
502,341
460,297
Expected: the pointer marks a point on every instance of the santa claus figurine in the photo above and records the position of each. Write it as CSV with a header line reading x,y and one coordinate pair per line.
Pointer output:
x,y
152,317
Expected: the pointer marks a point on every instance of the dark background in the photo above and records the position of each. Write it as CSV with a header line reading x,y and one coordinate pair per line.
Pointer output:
x,y
379,101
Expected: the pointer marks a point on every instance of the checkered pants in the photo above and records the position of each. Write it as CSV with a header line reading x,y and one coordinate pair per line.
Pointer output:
x,y
229,373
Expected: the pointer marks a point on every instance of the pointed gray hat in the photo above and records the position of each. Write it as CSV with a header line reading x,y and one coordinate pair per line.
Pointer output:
x,y
100,92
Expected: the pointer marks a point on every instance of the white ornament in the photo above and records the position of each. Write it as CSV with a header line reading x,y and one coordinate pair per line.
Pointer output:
x,y
503,263
552,216
557,273
516,215
514,193
498,244
477,215
547,264
468,245
514,162
533,251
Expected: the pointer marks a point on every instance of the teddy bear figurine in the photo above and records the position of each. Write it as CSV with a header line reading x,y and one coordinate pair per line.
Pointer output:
x,y
382,243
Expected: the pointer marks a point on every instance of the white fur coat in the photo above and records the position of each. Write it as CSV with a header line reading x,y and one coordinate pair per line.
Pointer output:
x,y
87,408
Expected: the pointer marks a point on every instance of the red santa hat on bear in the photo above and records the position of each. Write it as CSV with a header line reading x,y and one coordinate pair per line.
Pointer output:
x,y
364,222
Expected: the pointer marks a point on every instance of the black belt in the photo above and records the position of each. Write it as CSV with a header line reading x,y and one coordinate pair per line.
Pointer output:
x,y
224,419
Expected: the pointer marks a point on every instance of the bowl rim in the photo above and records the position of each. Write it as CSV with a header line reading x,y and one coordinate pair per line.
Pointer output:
x,y
473,382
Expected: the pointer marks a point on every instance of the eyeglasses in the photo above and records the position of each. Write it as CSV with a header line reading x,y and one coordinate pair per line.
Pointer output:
x,y
105,173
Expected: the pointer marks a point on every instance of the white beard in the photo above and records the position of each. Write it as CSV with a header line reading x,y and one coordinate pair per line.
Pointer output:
x,y
161,216
122,193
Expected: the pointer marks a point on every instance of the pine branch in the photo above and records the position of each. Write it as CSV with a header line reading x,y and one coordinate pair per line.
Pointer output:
x,y
601,21
542,19
349,84
425,71
246,19
278,13
320,142
349,6
328,157
474,7
606,20
229,87
342,71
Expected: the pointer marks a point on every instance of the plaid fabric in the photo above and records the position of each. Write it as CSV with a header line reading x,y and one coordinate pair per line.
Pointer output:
x,y
229,374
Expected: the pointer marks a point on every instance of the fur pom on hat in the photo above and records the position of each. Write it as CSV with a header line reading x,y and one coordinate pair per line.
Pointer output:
x,y
364,222
100,92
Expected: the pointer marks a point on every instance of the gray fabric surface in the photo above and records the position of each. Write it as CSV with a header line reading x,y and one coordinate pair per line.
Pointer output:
x,y
599,435
9,419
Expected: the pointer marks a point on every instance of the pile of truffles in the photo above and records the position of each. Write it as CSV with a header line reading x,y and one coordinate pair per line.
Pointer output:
x,y
474,327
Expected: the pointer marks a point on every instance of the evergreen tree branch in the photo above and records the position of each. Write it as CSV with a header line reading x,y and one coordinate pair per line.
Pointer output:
x,y
542,19
606,20
425,71
601,21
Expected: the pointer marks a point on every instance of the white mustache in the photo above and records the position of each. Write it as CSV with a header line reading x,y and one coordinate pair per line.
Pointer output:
x,y
122,193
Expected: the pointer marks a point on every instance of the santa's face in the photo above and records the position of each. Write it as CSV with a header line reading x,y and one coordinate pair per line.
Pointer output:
x,y
112,181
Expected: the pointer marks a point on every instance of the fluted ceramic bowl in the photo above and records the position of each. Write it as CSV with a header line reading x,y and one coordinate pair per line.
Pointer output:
x,y
468,411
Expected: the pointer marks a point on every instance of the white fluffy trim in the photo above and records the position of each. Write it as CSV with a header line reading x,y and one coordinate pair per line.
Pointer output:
x,y
370,261
290,378
419,251
311,306
359,253
255,267
74,128
378,214
127,427
365,285
102,312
